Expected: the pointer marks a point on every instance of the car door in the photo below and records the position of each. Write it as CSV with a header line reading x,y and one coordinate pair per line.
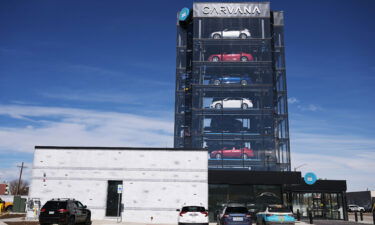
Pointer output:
x,y
232,34
83,211
78,212
226,102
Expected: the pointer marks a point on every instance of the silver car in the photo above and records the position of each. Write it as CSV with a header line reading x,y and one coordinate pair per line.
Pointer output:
x,y
242,34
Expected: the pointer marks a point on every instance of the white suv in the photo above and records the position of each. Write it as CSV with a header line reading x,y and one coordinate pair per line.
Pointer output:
x,y
190,215
242,103
243,34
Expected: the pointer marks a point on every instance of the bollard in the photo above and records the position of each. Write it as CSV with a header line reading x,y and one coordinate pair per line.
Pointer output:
x,y
361,215
356,217
311,218
298,215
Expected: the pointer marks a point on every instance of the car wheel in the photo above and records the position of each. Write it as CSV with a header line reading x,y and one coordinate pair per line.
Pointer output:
x,y
216,82
88,220
243,36
71,221
243,82
244,106
218,106
218,156
216,36
215,59
244,59
264,222
245,156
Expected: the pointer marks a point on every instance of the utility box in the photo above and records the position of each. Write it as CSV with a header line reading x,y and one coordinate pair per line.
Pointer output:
x,y
19,204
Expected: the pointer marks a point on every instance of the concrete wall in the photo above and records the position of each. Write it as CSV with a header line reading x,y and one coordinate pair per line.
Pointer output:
x,y
156,182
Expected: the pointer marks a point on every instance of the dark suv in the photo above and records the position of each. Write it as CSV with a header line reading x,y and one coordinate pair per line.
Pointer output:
x,y
64,211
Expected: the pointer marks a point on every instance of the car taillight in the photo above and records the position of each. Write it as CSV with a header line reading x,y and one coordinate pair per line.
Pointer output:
x,y
269,215
42,210
226,215
182,213
205,213
63,210
248,215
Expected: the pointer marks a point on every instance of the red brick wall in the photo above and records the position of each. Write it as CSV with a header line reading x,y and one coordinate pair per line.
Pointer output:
x,y
2,189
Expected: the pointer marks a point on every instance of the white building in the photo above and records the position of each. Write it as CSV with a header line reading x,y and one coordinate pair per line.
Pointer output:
x,y
156,181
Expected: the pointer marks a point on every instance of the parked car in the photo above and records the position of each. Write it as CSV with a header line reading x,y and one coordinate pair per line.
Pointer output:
x,y
275,214
225,124
355,208
64,211
243,34
243,57
234,102
6,206
234,215
190,215
226,79
240,153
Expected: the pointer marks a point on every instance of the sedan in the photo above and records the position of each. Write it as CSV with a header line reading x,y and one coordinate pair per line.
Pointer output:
x,y
242,103
243,34
231,57
234,215
275,214
239,153
231,80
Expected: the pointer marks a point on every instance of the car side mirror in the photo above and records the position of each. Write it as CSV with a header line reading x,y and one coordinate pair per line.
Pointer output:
x,y
85,206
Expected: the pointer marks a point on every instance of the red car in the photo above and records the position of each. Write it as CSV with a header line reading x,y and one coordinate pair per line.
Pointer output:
x,y
243,57
243,153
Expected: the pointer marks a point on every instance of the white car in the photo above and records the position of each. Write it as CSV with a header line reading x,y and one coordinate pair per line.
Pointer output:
x,y
242,103
355,208
190,215
243,34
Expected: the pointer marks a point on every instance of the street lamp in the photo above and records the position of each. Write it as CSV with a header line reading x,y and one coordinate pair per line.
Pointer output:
x,y
295,168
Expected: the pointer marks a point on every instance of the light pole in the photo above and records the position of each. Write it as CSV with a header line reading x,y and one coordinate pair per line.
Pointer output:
x,y
295,168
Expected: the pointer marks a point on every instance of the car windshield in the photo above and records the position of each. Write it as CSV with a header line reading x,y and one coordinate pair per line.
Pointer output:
x,y
55,205
193,209
279,209
236,210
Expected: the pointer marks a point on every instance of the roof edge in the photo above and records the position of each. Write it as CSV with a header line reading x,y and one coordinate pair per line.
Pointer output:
x,y
115,148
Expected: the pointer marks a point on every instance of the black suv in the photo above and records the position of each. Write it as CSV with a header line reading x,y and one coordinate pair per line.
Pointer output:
x,y
64,211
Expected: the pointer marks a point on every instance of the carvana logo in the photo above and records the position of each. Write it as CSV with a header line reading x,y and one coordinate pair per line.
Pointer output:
x,y
184,13
310,178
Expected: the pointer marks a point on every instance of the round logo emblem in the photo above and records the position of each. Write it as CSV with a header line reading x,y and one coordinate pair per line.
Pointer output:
x,y
310,178
184,13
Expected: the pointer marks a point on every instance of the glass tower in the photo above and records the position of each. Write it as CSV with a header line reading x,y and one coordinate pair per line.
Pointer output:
x,y
231,95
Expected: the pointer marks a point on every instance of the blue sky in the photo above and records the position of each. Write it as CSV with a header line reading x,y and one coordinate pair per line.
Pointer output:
x,y
102,73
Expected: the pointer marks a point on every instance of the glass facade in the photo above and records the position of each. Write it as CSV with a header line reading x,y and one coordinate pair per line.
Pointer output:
x,y
255,197
322,204
231,87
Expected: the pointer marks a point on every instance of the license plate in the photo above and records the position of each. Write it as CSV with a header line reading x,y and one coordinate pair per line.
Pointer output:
x,y
281,218
51,212
193,214
237,219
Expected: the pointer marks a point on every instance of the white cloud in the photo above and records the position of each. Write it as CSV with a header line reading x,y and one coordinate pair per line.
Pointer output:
x,y
310,107
357,169
292,100
333,151
68,126
9,174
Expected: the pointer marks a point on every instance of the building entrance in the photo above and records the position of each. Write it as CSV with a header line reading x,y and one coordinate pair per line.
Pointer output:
x,y
113,198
